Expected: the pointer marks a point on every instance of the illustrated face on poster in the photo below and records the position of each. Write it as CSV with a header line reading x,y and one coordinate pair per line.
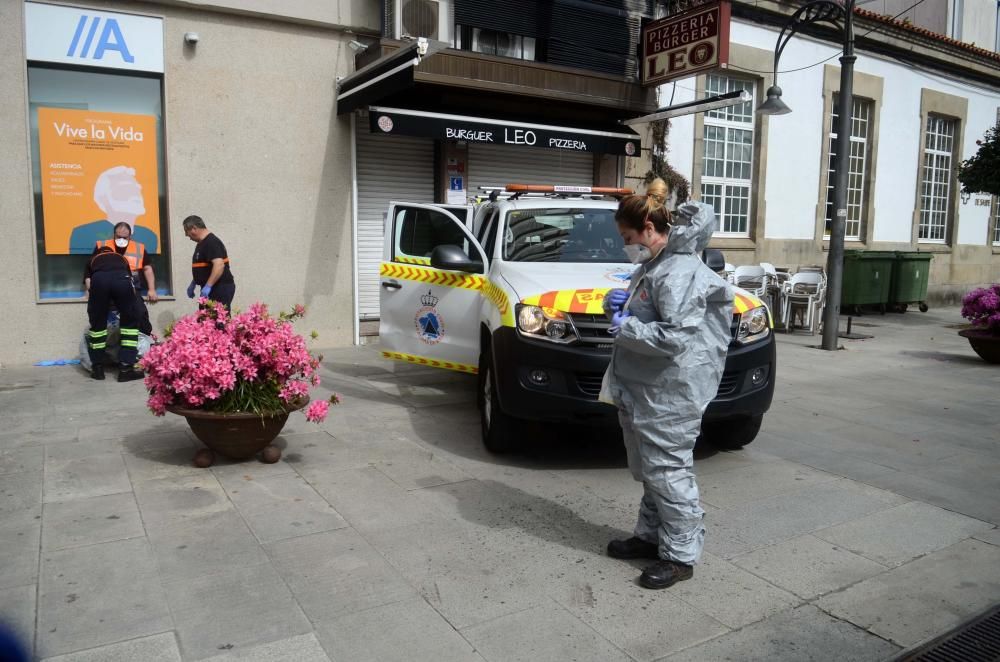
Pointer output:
x,y
98,169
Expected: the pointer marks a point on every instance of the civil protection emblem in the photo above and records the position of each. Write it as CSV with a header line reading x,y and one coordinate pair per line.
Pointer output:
x,y
620,276
430,325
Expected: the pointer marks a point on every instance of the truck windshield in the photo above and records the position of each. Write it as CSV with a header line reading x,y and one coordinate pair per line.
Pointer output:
x,y
562,235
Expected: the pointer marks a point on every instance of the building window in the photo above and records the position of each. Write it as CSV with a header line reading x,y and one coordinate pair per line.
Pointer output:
x,y
492,42
858,170
727,177
996,221
935,191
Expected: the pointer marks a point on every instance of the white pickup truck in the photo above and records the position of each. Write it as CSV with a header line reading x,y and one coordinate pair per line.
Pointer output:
x,y
511,290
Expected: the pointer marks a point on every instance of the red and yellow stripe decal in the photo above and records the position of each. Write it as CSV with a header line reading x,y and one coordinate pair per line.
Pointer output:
x,y
433,363
413,260
589,301
431,276
498,298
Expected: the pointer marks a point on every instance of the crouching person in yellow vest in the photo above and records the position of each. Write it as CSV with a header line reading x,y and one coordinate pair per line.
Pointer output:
x,y
110,281
140,266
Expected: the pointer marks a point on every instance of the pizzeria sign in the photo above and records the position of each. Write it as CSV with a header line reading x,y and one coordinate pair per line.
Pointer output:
x,y
685,44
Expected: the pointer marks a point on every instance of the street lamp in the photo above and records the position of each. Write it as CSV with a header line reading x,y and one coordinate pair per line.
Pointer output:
x,y
841,16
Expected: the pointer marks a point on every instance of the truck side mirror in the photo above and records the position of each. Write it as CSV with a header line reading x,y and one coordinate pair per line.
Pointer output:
x,y
449,256
714,259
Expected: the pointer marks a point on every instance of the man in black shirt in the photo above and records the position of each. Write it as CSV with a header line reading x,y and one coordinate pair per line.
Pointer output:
x,y
141,265
111,282
209,264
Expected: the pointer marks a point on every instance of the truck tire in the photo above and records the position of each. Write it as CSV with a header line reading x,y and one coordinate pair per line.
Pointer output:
x,y
732,434
499,434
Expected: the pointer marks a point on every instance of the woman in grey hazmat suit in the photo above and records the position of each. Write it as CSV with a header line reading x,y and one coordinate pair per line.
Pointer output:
x,y
671,336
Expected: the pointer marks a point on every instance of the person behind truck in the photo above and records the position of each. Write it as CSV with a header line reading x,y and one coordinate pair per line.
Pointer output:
x,y
110,278
209,264
671,334
139,261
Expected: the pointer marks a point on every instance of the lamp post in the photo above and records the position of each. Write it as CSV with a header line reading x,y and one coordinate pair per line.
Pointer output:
x,y
840,15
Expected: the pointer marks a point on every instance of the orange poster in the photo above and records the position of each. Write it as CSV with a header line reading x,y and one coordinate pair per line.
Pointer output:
x,y
98,169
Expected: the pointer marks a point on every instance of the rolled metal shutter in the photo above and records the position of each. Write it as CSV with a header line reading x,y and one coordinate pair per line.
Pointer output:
x,y
389,168
499,165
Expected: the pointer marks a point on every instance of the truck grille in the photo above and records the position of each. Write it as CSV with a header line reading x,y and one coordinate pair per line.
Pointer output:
x,y
589,383
593,330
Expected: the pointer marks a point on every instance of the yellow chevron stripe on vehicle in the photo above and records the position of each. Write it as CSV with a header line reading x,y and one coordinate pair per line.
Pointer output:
x,y
498,298
431,276
434,363
413,260
589,301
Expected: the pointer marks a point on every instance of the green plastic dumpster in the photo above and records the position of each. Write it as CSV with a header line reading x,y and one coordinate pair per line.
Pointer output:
x,y
910,275
866,279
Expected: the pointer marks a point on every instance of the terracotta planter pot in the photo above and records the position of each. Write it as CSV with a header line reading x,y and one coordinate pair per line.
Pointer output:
x,y
984,343
238,436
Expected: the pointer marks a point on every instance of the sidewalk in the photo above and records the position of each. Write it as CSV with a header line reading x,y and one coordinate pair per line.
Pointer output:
x,y
862,521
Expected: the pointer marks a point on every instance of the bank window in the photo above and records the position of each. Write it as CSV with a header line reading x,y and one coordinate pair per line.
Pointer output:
x,y
97,160
935,182
727,173
858,171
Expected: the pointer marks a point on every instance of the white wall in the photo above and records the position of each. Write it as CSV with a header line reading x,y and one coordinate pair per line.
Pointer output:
x,y
796,141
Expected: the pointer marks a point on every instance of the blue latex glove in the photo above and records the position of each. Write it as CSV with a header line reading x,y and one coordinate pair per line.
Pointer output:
x,y
616,321
206,290
191,290
617,298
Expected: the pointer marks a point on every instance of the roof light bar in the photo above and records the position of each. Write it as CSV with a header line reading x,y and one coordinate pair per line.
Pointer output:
x,y
539,188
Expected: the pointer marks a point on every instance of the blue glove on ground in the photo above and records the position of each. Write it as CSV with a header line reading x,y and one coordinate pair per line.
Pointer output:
x,y
617,297
206,290
191,290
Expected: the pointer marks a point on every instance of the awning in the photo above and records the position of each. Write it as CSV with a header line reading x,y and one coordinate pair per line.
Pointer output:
x,y
384,76
441,126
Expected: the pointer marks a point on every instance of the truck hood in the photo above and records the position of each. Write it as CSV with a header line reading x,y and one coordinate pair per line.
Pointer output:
x,y
578,287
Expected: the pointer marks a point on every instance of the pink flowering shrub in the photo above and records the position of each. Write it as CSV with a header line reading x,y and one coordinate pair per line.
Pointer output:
x,y
250,362
981,306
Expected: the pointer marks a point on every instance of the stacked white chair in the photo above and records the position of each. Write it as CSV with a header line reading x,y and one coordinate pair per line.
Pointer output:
x,y
751,278
805,291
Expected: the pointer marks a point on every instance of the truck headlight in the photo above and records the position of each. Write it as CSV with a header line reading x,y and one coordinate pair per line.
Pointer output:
x,y
544,324
754,325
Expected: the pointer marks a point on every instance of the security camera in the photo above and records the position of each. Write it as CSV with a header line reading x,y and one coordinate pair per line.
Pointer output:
x,y
191,38
357,46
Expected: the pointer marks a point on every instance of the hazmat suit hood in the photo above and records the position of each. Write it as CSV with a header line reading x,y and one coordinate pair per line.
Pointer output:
x,y
666,364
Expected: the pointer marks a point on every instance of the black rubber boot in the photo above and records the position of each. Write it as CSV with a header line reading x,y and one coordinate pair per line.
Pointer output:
x,y
97,372
663,574
127,373
633,548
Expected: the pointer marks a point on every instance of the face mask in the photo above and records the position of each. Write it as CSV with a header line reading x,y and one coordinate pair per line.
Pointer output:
x,y
121,242
637,253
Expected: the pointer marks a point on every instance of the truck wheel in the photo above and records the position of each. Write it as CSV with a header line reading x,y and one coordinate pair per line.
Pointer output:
x,y
499,435
732,434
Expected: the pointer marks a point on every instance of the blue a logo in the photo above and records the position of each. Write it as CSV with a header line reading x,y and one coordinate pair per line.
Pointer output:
x,y
111,39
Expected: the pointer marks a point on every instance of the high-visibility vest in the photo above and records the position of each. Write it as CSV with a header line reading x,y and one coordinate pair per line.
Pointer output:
x,y
135,252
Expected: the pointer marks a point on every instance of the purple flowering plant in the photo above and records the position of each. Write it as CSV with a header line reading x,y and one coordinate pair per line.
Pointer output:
x,y
981,306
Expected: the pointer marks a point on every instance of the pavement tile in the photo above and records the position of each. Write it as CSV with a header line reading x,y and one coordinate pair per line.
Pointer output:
x,y
17,612
803,634
21,459
423,470
924,597
204,546
35,436
157,648
336,573
757,481
178,498
233,610
604,594
89,521
896,535
282,506
19,535
547,632
991,536
300,648
417,633
20,491
966,497
79,449
94,475
99,594
742,529
731,595
808,566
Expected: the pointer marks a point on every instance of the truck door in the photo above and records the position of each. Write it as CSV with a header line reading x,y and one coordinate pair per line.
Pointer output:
x,y
429,314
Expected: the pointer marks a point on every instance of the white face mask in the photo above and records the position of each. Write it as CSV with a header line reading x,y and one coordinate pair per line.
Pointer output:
x,y
637,253
121,242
